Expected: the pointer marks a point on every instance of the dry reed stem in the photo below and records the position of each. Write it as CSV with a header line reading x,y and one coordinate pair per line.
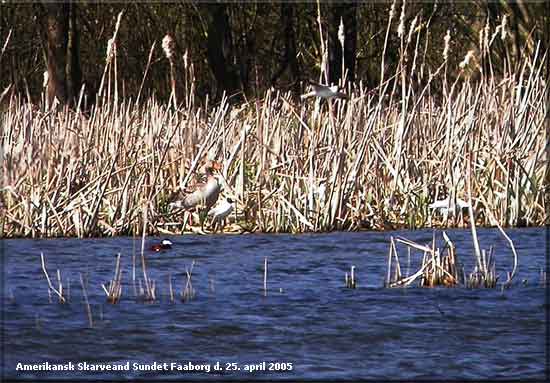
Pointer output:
x,y
510,242
265,276
59,291
188,292
170,288
88,309
114,291
149,288
351,282
147,67
5,45
111,53
134,264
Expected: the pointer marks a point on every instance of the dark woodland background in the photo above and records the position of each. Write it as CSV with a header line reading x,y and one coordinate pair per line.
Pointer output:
x,y
243,48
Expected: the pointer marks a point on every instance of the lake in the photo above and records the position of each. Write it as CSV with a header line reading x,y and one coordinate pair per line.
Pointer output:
x,y
308,326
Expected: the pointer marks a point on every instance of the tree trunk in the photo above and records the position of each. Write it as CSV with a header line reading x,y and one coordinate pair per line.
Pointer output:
x,y
220,49
289,59
348,14
58,21
73,71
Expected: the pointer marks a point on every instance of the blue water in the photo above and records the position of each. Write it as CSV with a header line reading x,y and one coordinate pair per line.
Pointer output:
x,y
309,326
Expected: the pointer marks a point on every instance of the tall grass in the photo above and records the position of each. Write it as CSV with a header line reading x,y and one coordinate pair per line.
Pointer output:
x,y
373,162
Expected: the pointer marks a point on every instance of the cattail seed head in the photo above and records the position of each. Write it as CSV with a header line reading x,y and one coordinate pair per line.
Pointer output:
x,y
111,44
401,27
392,10
168,46
447,40
341,34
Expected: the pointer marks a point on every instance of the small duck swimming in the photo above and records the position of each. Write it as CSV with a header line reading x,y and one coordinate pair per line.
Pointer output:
x,y
164,245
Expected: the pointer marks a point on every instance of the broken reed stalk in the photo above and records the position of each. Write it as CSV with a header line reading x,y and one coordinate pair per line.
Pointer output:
x,y
188,292
265,276
408,262
168,46
146,71
134,263
397,274
351,282
88,309
59,292
388,275
5,46
114,292
170,289
438,269
60,285
485,272
494,221
472,217
435,269
149,287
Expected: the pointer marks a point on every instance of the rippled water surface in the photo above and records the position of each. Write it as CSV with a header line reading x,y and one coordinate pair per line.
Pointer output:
x,y
309,326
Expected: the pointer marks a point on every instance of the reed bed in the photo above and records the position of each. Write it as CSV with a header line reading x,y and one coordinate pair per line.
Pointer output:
x,y
437,269
442,267
376,161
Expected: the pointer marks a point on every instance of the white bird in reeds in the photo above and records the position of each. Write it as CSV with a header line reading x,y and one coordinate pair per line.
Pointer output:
x,y
324,91
448,206
202,195
221,212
